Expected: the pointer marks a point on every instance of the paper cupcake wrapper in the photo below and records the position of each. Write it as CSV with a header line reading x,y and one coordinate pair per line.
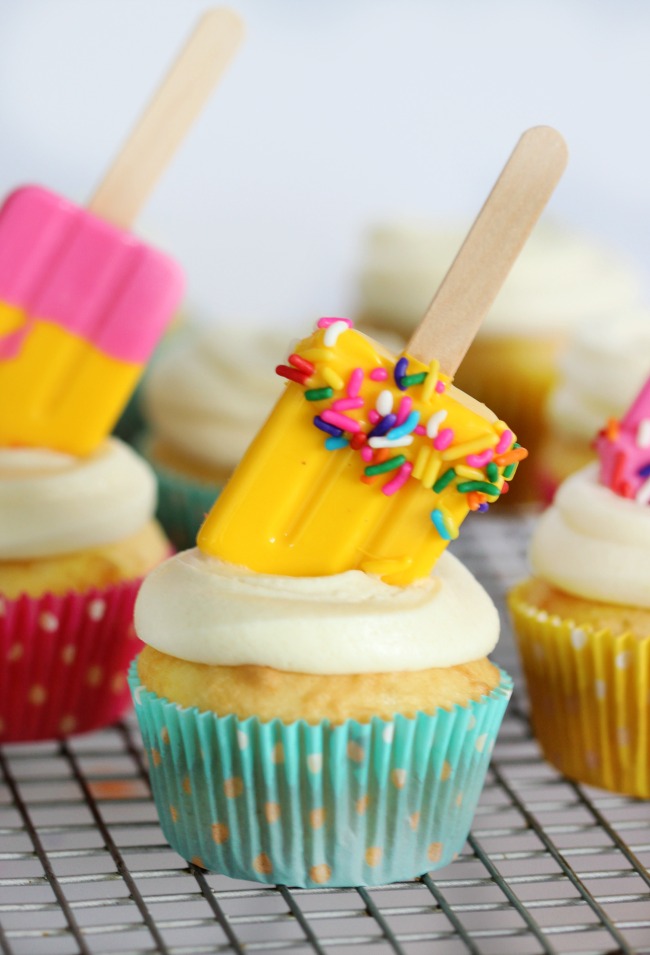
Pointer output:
x,y
65,661
182,502
589,693
318,805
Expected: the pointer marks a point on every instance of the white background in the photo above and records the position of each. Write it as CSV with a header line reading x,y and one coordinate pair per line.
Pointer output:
x,y
334,114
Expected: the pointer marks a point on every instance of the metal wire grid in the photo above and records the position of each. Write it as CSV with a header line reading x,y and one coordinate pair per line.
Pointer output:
x,y
550,867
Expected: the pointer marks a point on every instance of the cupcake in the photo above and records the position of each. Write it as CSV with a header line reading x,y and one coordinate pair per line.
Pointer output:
x,y
331,725
203,403
604,365
583,619
76,537
560,279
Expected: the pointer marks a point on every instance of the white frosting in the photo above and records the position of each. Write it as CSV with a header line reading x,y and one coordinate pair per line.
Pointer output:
x,y
209,399
605,364
558,280
52,503
593,543
204,610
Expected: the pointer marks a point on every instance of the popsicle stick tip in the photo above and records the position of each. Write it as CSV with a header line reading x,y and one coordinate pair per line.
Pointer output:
x,y
220,19
547,138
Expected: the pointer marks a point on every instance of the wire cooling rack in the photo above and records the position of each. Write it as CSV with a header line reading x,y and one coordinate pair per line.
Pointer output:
x,y
550,867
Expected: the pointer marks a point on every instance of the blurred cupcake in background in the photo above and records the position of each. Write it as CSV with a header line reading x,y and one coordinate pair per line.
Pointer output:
x,y
559,281
605,363
583,620
203,402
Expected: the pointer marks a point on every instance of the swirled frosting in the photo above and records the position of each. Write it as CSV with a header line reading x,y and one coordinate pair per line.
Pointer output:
x,y
593,543
604,365
210,398
559,279
53,503
204,610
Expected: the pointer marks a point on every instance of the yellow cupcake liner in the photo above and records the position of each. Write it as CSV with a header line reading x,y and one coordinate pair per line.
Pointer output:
x,y
590,698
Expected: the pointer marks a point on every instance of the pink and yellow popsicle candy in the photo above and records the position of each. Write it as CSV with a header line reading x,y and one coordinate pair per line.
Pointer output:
x,y
365,462
82,301
82,305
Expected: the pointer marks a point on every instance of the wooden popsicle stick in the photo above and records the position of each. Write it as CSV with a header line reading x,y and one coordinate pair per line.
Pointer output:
x,y
490,249
165,121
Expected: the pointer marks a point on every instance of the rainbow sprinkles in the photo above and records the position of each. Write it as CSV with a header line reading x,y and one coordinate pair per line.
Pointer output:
x,y
405,426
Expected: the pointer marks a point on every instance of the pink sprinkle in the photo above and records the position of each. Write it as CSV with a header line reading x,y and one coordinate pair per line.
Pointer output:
x,y
399,480
504,442
347,404
420,429
340,421
440,386
480,460
442,440
326,322
354,384
367,453
404,410
373,416
378,374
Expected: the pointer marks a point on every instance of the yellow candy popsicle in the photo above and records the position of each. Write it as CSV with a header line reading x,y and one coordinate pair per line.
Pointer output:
x,y
370,463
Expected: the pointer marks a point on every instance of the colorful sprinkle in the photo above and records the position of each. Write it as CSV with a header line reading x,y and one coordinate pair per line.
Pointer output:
x,y
509,471
404,409
285,371
378,374
492,472
373,416
390,465
480,460
332,378
326,322
334,330
355,382
443,439
389,442
505,441
431,380
409,380
490,489
384,403
366,453
318,394
434,422
406,427
643,434
444,480
443,525
347,404
327,428
472,474
399,372
432,471
420,430
333,444
402,476
358,440
341,420
516,453
440,387
302,365
468,447
424,454
383,426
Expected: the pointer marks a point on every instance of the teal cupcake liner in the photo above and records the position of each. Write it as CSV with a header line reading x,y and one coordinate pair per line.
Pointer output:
x,y
318,805
182,502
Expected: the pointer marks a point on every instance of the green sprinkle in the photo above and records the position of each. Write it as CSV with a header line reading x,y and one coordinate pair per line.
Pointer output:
x,y
483,486
492,471
516,445
389,465
409,380
319,394
444,480
510,470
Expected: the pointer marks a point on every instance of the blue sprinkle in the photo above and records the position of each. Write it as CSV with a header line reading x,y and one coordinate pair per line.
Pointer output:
x,y
407,427
333,444
400,370
439,524
383,426
482,508
644,471
327,428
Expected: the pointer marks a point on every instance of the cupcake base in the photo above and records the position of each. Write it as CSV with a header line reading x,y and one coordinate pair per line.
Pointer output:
x,y
314,805
589,693
64,662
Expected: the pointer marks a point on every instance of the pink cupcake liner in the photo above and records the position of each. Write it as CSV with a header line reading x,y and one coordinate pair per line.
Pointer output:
x,y
64,661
